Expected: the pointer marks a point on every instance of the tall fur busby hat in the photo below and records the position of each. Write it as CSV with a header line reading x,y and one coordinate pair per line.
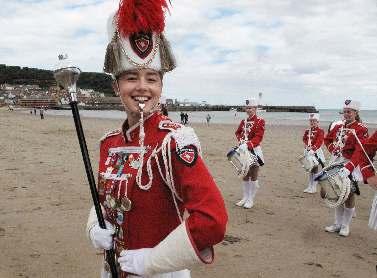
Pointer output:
x,y
251,102
352,104
314,116
136,38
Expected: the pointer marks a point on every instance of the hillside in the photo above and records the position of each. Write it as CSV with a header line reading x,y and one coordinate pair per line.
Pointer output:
x,y
44,78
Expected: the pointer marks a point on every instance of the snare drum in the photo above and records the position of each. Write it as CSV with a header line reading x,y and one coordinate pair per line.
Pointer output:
x,y
241,158
337,188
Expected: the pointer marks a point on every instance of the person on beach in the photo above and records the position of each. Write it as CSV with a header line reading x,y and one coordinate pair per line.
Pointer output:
x,y
163,108
313,141
208,119
363,158
250,135
342,143
162,207
41,113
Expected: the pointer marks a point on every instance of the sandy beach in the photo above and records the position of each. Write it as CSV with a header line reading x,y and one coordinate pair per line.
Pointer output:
x,y
46,199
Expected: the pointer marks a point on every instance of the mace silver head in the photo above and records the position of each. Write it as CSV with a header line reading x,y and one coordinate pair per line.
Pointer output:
x,y
67,76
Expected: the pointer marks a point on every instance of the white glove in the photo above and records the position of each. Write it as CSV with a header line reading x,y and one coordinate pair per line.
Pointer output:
x,y
344,172
133,261
243,147
102,238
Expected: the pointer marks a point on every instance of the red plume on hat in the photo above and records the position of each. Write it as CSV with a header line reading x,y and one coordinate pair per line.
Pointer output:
x,y
135,16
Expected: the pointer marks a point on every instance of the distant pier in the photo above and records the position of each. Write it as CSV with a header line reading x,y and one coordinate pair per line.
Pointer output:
x,y
302,109
267,108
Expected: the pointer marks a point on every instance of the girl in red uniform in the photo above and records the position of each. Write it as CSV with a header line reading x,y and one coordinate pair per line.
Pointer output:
x,y
313,140
342,143
250,135
363,158
151,170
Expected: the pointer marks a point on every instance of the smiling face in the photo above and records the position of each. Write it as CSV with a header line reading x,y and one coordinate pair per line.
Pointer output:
x,y
313,123
349,115
139,86
250,110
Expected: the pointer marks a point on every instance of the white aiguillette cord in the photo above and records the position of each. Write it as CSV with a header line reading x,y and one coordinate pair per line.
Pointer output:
x,y
143,150
148,185
310,137
337,144
168,179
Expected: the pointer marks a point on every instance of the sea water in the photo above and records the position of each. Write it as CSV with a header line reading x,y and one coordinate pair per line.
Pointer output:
x,y
231,117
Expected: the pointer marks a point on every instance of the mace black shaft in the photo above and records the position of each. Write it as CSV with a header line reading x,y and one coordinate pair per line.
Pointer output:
x,y
92,183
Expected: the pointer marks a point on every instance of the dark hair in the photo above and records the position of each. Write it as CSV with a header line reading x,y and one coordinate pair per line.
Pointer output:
x,y
357,118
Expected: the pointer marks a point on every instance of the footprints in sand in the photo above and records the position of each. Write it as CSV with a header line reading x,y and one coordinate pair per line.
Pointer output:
x,y
229,239
35,255
358,256
314,264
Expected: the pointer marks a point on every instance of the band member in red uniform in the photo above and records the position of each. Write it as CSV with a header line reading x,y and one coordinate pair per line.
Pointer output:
x,y
313,141
363,158
250,135
342,143
151,170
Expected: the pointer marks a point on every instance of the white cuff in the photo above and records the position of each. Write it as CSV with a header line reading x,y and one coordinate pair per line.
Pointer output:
x,y
176,252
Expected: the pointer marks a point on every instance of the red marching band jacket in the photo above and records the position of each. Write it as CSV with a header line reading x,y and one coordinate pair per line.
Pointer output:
x,y
342,141
254,130
152,214
359,157
316,138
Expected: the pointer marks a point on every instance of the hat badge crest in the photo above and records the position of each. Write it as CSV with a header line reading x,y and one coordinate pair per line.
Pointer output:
x,y
142,44
348,101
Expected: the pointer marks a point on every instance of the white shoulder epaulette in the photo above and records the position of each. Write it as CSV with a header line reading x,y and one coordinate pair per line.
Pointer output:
x,y
109,134
186,136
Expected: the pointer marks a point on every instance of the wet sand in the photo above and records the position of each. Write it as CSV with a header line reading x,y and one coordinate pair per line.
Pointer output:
x,y
45,202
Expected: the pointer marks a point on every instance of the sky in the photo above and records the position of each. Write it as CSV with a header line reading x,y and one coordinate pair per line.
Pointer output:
x,y
294,52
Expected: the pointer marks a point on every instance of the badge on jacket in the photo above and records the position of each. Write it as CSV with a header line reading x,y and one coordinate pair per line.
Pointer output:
x,y
188,155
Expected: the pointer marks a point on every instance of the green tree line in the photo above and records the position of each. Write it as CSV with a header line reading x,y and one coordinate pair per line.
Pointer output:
x,y
44,78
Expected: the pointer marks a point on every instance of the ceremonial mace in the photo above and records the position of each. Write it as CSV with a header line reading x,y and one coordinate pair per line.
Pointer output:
x,y
67,76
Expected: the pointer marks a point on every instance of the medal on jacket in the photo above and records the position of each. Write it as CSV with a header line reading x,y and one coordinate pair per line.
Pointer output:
x,y
111,202
101,185
119,216
135,164
125,204
120,170
118,163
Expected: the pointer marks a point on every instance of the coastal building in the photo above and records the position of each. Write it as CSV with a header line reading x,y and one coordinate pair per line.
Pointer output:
x,y
37,102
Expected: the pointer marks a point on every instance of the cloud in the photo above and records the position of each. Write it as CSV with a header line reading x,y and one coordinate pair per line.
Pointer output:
x,y
295,52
